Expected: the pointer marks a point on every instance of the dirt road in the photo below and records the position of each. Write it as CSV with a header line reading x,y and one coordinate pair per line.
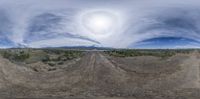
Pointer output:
x,y
192,71
98,76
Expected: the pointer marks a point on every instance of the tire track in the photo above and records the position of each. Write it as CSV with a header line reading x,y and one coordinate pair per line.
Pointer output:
x,y
108,63
192,72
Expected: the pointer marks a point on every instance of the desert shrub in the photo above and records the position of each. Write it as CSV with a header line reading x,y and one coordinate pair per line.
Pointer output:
x,y
60,63
16,55
51,69
51,64
6,54
57,56
53,51
45,58
22,56
71,54
132,53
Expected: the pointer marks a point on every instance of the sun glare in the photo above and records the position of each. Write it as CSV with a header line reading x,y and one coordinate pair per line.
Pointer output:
x,y
99,22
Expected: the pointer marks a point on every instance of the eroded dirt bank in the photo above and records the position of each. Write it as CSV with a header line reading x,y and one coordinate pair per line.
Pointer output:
x,y
97,75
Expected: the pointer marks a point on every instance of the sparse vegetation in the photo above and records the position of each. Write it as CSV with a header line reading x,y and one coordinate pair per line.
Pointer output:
x,y
57,57
164,53
51,57
18,55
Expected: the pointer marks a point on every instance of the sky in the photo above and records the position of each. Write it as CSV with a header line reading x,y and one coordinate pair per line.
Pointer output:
x,y
101,23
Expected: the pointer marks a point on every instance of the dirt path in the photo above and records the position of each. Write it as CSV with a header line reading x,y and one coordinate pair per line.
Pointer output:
x,y
108,63
100,75
192,71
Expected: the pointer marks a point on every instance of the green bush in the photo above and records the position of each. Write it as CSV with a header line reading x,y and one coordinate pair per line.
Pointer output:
x,y
51,64
45,58
16,56
132,53
59,56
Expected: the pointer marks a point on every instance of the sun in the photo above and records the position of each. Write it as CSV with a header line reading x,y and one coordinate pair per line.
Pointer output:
x,y
99,22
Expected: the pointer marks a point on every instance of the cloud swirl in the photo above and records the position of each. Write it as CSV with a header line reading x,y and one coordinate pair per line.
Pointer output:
x,y
143,24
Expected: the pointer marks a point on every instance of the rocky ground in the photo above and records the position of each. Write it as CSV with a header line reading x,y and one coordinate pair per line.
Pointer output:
x,y
97,75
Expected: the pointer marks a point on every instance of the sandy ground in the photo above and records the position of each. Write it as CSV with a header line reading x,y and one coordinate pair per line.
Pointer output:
x,y
99,76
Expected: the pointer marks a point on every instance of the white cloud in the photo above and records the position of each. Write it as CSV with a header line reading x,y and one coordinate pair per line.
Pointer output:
x,y
139,20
